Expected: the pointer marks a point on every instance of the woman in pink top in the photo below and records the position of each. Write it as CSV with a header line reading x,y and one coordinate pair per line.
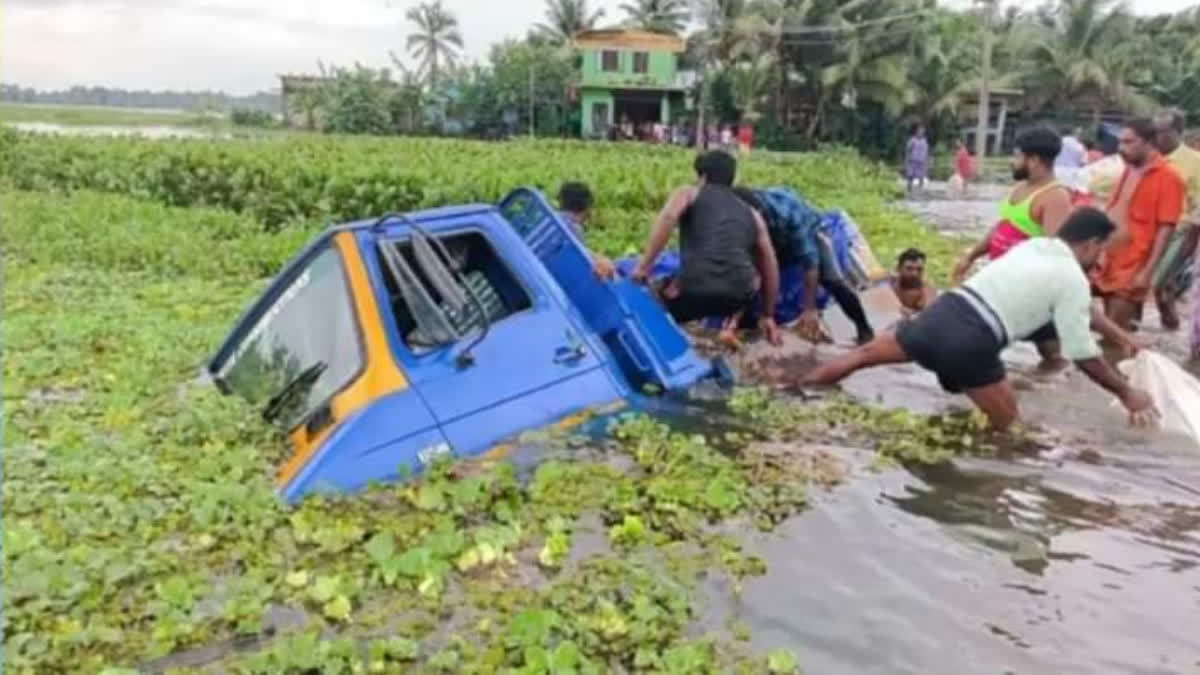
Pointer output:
x,y
963,164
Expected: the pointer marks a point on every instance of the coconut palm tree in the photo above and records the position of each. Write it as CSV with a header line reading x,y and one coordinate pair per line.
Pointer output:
x,y
659,16
748,83
565,18
944,64
410,98
1080,58
763,30
436,40
869,59
718,33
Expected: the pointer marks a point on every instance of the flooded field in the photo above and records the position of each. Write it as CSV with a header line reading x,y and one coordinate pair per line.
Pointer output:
x,y
1074,549
1081,555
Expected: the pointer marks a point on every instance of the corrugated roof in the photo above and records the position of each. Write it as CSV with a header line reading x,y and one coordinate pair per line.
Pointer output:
x,y
622,38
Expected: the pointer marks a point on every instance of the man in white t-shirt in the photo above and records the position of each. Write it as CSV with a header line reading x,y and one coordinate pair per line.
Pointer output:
x,y
961,334
1071,159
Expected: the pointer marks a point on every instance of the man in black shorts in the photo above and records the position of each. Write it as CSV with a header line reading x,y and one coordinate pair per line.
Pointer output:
x,y
961,334
725,249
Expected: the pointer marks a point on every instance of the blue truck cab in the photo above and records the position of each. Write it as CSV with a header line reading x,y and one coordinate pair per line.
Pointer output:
x,y
389,342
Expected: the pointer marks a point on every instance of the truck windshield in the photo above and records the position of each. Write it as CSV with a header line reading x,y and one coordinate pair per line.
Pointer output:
x,y
301,349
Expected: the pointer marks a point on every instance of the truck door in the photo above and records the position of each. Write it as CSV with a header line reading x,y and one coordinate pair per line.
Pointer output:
x,y
476,328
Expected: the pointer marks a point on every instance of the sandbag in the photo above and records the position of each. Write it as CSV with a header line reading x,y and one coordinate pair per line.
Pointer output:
x,y
856,253
831,263
1175,392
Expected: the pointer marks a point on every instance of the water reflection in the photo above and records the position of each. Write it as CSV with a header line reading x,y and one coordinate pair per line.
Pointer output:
x,y
1077,553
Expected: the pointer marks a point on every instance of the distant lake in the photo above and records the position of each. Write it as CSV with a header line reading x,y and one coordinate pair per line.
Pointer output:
x,y
148,131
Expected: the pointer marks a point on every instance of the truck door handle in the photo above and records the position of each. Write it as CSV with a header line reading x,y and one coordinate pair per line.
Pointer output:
x,y
569,353
572,351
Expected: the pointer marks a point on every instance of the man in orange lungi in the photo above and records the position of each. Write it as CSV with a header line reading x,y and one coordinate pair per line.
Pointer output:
x,y
1146,205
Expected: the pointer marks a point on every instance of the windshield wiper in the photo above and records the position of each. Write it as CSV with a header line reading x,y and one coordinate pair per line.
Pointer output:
x,y
302,382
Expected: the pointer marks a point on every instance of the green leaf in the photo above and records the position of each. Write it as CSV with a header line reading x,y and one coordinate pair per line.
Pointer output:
x,y
381,547
782,662
297,579
325,588
566,657
532,627
338,608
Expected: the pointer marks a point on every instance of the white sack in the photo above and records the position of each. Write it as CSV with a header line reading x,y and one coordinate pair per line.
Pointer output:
x,y
1175,392
956,183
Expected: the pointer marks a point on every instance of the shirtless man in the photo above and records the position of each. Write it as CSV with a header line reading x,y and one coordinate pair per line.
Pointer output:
x,y
909,283
721,242
1036,207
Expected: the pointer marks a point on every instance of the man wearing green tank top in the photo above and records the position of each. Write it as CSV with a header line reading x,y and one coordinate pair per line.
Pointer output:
x,y
1037,207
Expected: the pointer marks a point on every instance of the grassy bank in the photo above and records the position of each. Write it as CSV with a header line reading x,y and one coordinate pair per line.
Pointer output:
x,y
140,519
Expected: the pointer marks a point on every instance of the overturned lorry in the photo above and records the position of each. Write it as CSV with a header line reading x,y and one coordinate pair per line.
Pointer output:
x,y
389,342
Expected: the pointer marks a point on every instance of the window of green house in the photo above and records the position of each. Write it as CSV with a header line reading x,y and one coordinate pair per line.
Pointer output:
x,y
641,62
610,61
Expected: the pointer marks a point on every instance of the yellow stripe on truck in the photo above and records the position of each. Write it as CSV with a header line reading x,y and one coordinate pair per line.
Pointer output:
x,y
380,377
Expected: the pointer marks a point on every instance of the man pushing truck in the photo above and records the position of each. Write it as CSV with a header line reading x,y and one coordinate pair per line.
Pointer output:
x,y
960,336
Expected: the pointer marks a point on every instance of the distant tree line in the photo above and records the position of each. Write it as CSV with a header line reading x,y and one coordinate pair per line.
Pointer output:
x,y
841,71
818,71
109,96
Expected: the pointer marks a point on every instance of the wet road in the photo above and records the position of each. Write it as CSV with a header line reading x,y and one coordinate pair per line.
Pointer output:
x,y
1082,558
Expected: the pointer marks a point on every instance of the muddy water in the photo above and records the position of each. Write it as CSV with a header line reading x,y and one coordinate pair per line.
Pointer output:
x,y
1083,557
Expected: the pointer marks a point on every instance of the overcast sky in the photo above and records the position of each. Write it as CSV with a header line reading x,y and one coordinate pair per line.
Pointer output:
x,y
240,46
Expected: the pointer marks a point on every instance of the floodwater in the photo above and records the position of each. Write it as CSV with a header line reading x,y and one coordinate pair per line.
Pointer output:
x,y
1082,556
149,131
952,213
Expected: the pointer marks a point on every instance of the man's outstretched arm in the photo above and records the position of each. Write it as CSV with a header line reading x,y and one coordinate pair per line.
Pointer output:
x,y
1072,319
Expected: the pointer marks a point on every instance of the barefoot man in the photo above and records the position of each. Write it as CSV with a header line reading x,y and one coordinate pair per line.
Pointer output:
x,y
1146,205
960,336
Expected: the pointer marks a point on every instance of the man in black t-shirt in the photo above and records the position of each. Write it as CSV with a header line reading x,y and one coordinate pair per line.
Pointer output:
x,y
725,249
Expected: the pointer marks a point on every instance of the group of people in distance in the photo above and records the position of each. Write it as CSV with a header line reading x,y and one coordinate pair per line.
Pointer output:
x,y
1048,257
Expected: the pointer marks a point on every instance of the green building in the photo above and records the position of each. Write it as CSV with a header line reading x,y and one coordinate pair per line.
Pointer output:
x,y
627,75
